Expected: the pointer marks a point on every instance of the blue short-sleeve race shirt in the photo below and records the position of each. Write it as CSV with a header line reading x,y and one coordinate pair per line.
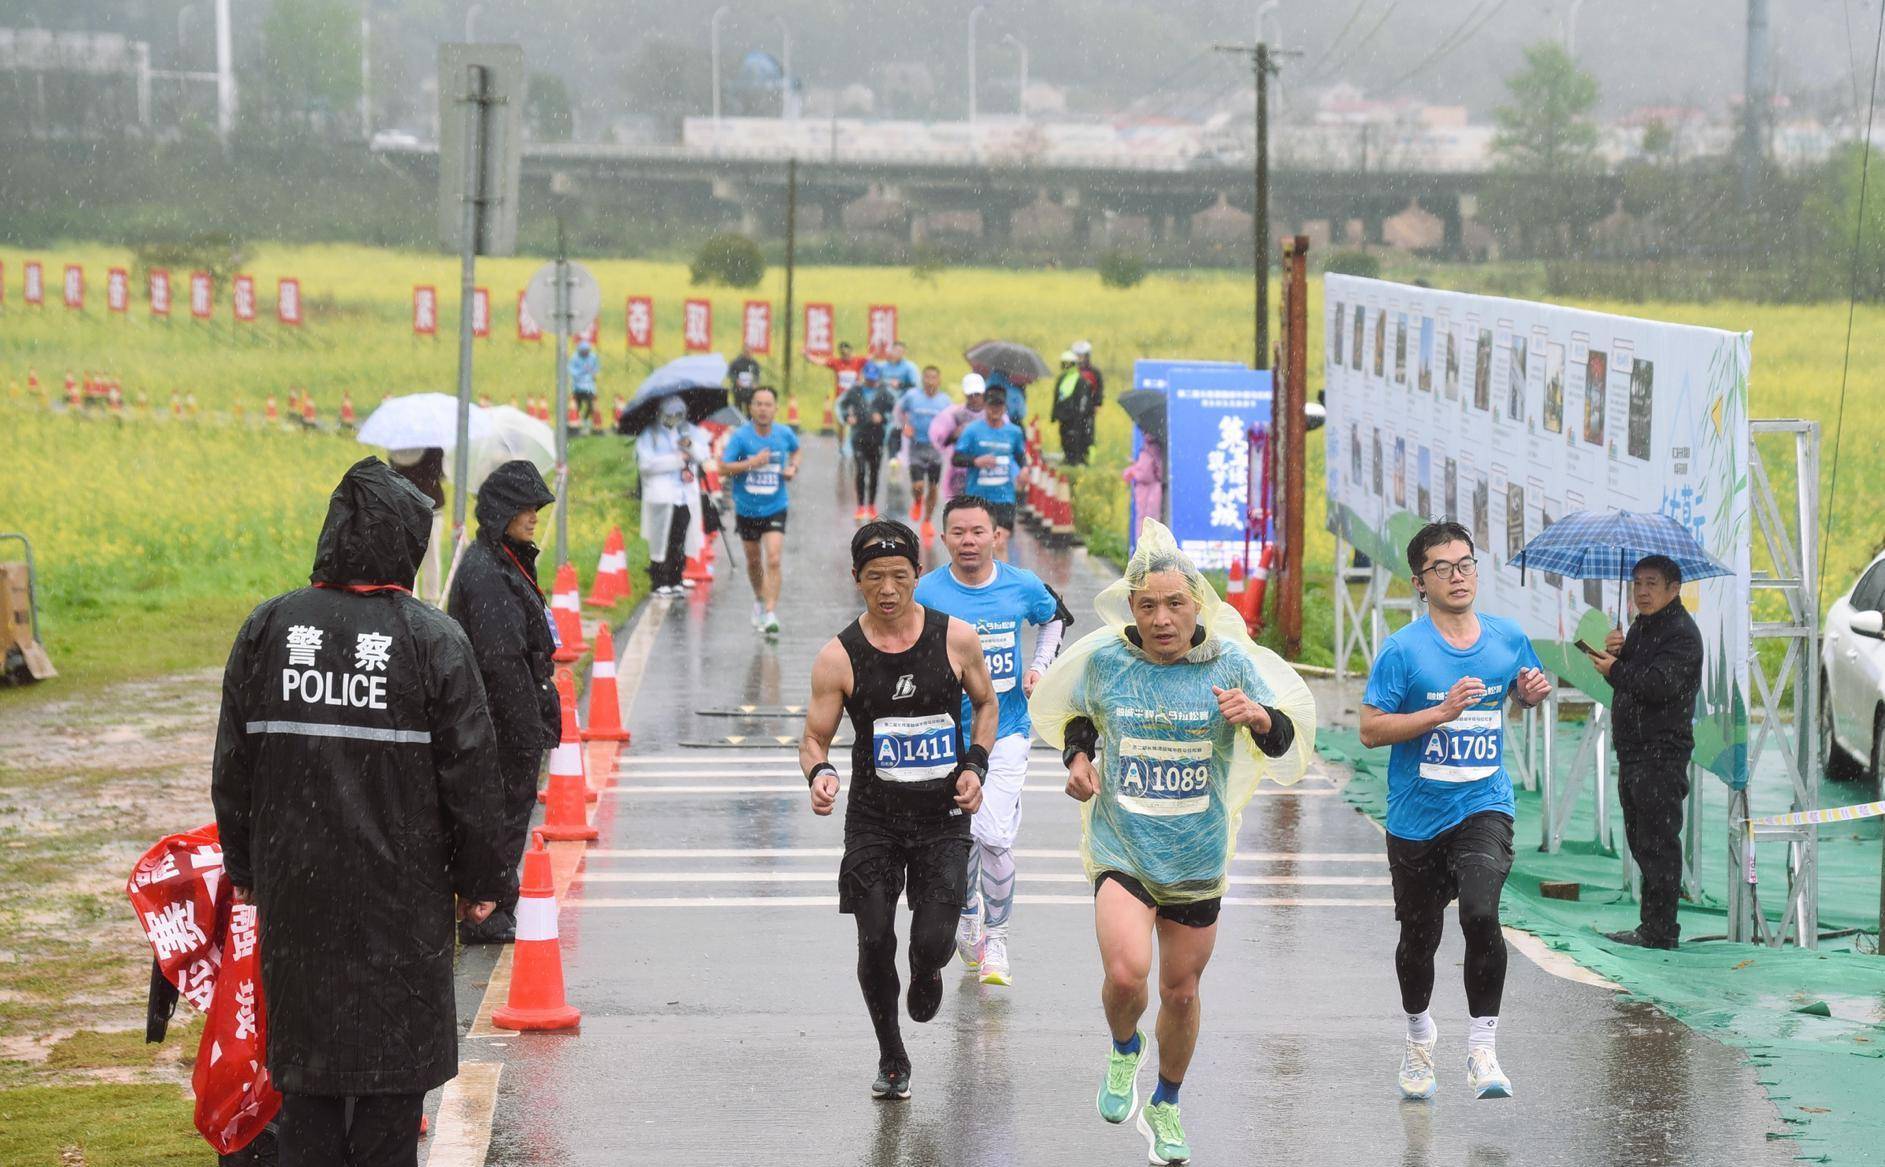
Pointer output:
x,y
760,492
996,610
1007,446
1444,776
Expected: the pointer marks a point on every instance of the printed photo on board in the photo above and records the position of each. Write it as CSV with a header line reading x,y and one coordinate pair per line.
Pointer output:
x,y
1400,348
1452,510
1354,452
1452,365
1424,499
1380,341
1337,333
1482,371
1642,397
1377,462
1549,516
1354,350
1400,472
1596,374
1514,520
1554,387
1482,512
1515,386
1426,354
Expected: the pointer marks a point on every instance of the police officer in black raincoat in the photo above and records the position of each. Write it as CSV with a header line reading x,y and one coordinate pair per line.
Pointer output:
x,y
356,793
497,600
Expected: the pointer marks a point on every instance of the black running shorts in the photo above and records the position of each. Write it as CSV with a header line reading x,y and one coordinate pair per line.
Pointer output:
x,y
1426,871
889,854
1197,914
925,462
1003,514
750,528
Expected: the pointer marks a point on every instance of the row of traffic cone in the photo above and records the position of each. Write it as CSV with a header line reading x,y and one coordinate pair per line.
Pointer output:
x,y
1046,505
1244,592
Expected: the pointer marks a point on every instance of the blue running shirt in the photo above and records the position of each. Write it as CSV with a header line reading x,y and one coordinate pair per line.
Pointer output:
x,y
996,610
994,483
761,492
920,409
1441,778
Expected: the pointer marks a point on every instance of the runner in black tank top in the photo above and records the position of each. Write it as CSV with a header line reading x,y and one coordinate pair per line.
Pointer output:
x,y
900,672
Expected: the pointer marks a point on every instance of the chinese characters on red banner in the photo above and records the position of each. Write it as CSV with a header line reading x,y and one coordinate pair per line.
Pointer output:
x,y
288,301
697,326
756,327
200,299
242,298
883,328
639,318
425,310
818,329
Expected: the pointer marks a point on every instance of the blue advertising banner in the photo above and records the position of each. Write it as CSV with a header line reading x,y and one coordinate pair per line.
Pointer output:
x,y
1209,412
1157,375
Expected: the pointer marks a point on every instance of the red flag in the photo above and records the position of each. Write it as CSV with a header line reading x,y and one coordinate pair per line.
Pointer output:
x,y
74,286
527,326
117,290
639,317
481,312
756,326
819,325
160,292
200,298
883,328
35,281
425,310
288,301
242,298
697,326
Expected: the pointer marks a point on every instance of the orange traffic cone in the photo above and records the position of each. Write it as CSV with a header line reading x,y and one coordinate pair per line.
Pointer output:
x,y
269,413
1253,601
572,730
1065,533
536,1001
792,411
307,409
176,404
71,390
605,709
567,607
611,572
568,790
574,415
1234,588
698,569
346,411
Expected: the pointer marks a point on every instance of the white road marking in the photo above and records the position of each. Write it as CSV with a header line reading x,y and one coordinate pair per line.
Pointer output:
x,y
595,853
823,875
462,1135
832,901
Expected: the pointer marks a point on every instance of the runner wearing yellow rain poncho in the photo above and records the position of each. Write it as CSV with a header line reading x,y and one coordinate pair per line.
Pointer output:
x,y
1168,715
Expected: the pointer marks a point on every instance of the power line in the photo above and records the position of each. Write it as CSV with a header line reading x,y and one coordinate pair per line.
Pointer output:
x,y
1360,44
1459,37
1340,33
1852,302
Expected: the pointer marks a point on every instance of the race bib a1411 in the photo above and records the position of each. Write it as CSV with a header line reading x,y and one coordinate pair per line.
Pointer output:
x,y
914,749
1164,778
1470,748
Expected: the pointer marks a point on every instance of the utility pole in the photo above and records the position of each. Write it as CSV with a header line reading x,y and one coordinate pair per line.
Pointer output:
x,y
1291,450
791,257
1263,65
1754,102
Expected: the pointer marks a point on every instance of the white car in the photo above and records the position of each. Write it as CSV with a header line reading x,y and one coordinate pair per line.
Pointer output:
x,y
1852,681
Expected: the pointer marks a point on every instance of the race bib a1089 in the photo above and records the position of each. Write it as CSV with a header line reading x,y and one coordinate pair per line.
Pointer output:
x,y
1164,778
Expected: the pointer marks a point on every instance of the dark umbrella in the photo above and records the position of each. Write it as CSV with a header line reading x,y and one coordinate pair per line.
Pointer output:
x,y
1146,408
1017,362
727,416
695,380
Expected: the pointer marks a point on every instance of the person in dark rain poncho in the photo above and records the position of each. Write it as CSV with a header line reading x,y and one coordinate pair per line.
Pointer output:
x,y
356,793
497,600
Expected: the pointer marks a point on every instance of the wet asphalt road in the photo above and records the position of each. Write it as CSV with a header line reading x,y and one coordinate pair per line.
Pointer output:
x,y
723,1025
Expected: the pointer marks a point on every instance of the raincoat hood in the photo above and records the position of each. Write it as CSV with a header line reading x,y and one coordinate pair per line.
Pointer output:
x,y
376,531
511,489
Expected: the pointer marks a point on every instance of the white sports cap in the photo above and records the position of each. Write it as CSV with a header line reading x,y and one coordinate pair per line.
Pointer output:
x,y
1081,348
973,385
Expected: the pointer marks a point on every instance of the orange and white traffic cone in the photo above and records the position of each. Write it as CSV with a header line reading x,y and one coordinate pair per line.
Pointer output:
x,y
566,607
792,411
698,569
307,409
568,791
269,413
605,708
1260,581
572,730
1067,534
611,572
574,415
536,1000
347,417
1235,587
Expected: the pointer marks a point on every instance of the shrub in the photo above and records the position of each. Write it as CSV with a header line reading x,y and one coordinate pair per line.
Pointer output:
x,y
732,260
1120,269
1353,263
220,253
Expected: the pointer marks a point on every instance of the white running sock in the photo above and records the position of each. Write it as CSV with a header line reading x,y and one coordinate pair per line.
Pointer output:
x,y
1420,1026
1482,1033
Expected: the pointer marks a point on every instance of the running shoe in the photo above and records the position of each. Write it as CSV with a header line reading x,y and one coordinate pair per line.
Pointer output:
x,y
892,1084
772,624
1164,1136
1484,1077
873,512
929,531
1119,1093
759,614
687,585
1417,1080
925,996
916,510
861,515
969,940
995,958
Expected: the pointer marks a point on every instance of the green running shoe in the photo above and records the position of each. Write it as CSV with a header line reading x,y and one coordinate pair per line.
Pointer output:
x,y
1119,1093
1164,1137
892,1084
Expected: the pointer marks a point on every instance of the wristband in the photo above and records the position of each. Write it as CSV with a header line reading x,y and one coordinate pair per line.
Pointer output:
x,y
976,762
819,769
1071,752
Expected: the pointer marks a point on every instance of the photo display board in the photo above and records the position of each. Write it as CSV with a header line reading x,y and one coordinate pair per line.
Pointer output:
x,y
1506,415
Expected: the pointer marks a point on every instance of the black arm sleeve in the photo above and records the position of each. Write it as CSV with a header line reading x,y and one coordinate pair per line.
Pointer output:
x,y
1082,737
232,778
962,458
1060,611
1281,736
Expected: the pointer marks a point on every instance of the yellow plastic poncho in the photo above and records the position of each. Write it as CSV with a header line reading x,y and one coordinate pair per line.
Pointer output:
x,y
1174,776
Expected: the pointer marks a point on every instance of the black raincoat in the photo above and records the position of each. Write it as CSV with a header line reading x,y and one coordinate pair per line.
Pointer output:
x,y
356,792
495,598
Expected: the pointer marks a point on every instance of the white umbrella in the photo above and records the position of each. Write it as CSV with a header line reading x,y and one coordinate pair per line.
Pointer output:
x,y
511,434
418,420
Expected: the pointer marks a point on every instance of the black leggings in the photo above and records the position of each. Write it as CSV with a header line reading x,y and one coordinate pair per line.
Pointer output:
x,y
932,940
1485,944
866,457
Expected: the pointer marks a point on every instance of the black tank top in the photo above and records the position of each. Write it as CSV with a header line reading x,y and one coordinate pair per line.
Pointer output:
x,y
906,718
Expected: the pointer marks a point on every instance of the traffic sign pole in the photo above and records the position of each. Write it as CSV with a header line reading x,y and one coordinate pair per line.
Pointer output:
x,y
562,398
474,100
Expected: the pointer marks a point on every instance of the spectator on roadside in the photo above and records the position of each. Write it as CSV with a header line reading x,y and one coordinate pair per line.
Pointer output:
x,y
1146,475
1655,673
1072,410
670,454
584,364
425,469
356,795
497,600
743,377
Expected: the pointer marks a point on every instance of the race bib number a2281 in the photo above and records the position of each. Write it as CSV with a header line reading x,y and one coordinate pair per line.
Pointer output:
x,y
1469,748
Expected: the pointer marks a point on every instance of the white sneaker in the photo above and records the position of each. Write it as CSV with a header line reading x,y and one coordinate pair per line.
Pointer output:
x,y
759,614
995,958
1417,1080
969,940
1484,1077
688,584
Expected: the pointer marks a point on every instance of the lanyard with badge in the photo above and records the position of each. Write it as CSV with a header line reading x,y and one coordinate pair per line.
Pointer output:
x,y
549,617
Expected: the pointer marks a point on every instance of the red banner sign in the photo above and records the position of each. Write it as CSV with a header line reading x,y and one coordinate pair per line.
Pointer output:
x,y
35,283
756,327
74,287
527,326
883,328
819,325
592,334
288,301
639,319
118,290
160,292
242,298
697,326
481,312
425,310
200,298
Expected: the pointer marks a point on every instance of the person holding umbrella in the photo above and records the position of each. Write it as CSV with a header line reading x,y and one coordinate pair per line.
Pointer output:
x,y
1146,474
670,454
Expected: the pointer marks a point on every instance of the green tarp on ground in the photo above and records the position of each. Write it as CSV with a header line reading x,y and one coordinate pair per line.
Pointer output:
x,y
1812,1023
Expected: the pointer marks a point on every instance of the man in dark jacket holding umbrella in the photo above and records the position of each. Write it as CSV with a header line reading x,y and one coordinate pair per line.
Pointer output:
x,y
497,601
356,795
1655,673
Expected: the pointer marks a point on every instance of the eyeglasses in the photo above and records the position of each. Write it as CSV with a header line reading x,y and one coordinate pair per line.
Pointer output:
x,y
1466,569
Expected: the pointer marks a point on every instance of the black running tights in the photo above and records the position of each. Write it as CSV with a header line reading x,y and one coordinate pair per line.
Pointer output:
x,y
866,459
932,941
1485,945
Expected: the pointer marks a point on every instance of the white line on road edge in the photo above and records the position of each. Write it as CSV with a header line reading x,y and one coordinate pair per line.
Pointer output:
x,y
1019,853
822,875
462,1135
831,901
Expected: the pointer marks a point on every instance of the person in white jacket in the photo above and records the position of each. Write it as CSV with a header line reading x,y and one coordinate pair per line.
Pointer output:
x,y
670,454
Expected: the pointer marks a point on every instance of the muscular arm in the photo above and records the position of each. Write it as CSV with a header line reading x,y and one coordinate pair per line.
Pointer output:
x,y
831,681
965,652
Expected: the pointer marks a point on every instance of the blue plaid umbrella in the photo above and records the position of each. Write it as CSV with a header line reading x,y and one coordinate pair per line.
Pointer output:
x,y
1607,545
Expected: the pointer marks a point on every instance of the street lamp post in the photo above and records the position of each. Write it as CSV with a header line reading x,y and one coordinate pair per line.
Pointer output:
x,y
785,67
471,23
713,31
975,17
1021,95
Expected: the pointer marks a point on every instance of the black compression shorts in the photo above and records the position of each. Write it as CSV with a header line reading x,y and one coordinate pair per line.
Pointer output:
x,y
1197,914
887,854
752,527
1426,871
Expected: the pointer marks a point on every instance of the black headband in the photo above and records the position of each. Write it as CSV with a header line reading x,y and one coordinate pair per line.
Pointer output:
x,y
884,537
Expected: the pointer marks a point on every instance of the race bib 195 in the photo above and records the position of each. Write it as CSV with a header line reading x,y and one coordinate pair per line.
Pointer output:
x,y
999,647
1164,778
1467,749
914,749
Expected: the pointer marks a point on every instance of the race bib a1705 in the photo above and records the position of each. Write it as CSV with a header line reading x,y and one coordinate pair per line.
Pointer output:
x,y
1164,778
914,749
1469,748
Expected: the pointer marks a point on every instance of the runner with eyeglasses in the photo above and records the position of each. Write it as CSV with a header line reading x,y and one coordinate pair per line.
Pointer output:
x,y
1437,694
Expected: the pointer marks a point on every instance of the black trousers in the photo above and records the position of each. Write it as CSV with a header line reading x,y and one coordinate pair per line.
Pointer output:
x,y
371,1130
667,573
517,769
1076,438
1653,793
